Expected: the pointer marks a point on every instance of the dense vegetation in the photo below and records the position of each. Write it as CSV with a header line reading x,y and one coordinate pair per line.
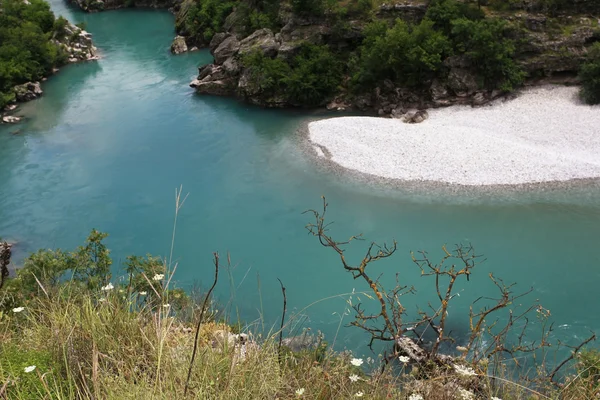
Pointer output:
x,y
26,50
412,55
408,55
590,76
310,77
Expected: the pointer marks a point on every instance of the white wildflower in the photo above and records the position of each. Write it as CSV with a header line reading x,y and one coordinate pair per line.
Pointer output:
x,y
29,369
143,293
462,349
18,309
353,378
158,277
166,305
357,362
359,394
495,398
466,395
465,371
108,287
415,396
300,392
404,359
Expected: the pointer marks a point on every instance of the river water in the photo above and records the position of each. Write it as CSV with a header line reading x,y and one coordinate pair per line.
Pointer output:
x,y
110,141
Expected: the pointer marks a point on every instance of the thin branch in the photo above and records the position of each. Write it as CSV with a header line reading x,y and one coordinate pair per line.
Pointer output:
x,y
204,304
282,320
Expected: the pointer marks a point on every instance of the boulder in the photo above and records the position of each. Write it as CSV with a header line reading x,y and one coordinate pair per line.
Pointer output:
x,y
28,91
10,119
227,48
262,40
415,116
462,81
179,46
217,39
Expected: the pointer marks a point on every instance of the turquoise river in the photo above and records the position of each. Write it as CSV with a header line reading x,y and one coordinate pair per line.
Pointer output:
x,y
109,142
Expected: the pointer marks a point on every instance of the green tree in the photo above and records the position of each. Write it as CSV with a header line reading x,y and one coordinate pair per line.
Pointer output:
x,y
485,42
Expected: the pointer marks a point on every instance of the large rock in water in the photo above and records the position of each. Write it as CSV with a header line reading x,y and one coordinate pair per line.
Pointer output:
x,y
179,46
28,91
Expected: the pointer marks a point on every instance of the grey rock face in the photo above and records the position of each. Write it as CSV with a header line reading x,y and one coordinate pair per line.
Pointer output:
x,y
462,81
226,49
262,40
28,91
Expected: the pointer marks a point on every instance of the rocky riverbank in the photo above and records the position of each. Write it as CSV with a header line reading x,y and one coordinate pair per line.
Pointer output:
x,y
76,46
508,143
548,49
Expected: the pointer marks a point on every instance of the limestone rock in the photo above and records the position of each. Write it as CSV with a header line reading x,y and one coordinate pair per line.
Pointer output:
x,y
217,39
262,40
415,116
462,81
226,49
179,46
10,119
28,91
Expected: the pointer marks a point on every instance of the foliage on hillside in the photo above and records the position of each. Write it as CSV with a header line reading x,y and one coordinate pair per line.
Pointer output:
x,y
413,55
590,76
26,52
308,79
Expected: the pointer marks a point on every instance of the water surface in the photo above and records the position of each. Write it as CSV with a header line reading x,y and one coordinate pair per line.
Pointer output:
x,y
110,141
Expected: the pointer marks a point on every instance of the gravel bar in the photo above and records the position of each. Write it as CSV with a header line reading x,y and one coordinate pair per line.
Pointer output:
x,y
544,135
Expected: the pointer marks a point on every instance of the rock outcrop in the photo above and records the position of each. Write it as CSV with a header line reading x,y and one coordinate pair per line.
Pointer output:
x,y
547,46
76,43
28,91
179,46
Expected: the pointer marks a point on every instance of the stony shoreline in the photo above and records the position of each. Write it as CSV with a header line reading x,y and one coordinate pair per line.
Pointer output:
x,y
545,138
77,45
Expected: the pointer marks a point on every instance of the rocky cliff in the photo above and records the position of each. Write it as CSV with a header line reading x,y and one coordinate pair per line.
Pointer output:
x,y
550,46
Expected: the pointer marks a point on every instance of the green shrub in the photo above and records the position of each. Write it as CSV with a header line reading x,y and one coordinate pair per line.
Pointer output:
x,y
26,52
309,7
443,12
206,17
590,76
308,80
407,55
265,74
316,74
486,44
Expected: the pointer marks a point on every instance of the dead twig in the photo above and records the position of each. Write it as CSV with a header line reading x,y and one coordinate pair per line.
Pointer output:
x,y
204,304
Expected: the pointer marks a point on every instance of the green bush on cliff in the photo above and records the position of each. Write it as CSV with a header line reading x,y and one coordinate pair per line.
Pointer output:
x,y
590,76
316,74
486,44
26,52
443,12
307,80
404,54
206,17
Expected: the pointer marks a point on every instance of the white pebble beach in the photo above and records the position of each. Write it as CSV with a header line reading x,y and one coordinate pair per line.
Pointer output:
x,y
544,135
